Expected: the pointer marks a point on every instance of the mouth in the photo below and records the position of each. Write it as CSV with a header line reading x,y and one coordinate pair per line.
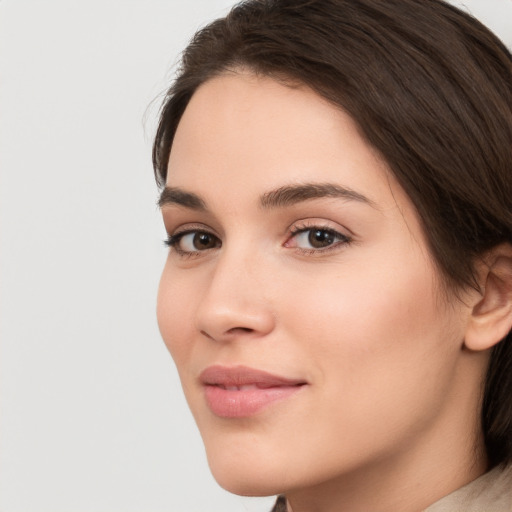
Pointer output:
x,y
240,392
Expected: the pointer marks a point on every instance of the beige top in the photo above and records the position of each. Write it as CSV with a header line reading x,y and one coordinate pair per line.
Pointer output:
x,y
492,492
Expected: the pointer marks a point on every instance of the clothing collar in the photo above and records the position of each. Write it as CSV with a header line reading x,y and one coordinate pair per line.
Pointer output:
x,y
490,492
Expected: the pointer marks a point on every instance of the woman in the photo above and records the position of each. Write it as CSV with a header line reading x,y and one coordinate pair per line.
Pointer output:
x,y
337,298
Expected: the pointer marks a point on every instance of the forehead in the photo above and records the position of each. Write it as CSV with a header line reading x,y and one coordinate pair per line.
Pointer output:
x,y
250,133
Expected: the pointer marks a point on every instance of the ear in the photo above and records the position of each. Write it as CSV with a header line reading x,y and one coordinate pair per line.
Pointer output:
x,y
491,318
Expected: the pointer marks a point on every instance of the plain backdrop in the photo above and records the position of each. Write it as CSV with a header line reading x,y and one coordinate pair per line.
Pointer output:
x,y
92,417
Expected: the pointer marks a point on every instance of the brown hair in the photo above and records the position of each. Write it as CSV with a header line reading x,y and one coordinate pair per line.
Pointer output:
x,y
430,88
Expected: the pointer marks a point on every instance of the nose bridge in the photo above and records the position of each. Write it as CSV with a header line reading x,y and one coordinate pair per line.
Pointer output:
x,y
235,300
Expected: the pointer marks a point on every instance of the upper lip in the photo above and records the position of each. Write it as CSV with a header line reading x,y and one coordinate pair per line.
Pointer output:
x,y
236,376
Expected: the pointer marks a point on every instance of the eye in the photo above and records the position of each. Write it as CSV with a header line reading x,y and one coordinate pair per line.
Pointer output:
x,y
192,242
316,238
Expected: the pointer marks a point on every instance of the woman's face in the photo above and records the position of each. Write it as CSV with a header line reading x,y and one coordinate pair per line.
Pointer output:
x,y
299,300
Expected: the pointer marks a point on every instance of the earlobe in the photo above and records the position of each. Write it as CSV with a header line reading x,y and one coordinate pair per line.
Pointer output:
x,y
491,318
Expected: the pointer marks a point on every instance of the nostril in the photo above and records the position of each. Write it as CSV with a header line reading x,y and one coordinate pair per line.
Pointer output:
x,y
240,329
233,330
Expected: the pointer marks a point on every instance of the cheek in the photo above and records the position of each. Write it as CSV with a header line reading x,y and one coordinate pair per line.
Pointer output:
x,y
365,308
381,356
378,338
175,306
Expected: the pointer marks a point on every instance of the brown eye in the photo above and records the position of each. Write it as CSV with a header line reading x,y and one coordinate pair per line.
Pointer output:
x,y
320,238
193,242
317,239
202,241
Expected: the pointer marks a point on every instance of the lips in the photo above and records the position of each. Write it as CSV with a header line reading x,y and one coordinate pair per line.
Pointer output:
x,y
238,392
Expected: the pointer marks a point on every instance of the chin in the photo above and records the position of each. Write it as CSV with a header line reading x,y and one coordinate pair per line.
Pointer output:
x,y
247,474
247,484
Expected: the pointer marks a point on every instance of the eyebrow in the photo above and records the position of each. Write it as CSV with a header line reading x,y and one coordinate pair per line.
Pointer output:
x,y
180,197
293,194
281,197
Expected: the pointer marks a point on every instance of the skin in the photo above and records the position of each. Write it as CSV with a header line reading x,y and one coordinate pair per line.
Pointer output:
x,y
388,420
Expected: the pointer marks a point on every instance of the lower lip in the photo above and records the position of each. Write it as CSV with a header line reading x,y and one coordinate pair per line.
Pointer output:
x,y
244,403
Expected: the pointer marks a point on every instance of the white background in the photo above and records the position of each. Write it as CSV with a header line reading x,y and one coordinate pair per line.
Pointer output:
x,y
92,417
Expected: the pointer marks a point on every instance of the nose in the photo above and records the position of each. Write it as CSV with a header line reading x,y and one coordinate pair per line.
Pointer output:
x,y
235,303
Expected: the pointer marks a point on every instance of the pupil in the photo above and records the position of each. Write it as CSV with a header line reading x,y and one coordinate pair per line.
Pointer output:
x,y
320,238
203,241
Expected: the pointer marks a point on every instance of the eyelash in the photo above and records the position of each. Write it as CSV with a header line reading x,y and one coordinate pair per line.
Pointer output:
x,y
342,240
173,241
